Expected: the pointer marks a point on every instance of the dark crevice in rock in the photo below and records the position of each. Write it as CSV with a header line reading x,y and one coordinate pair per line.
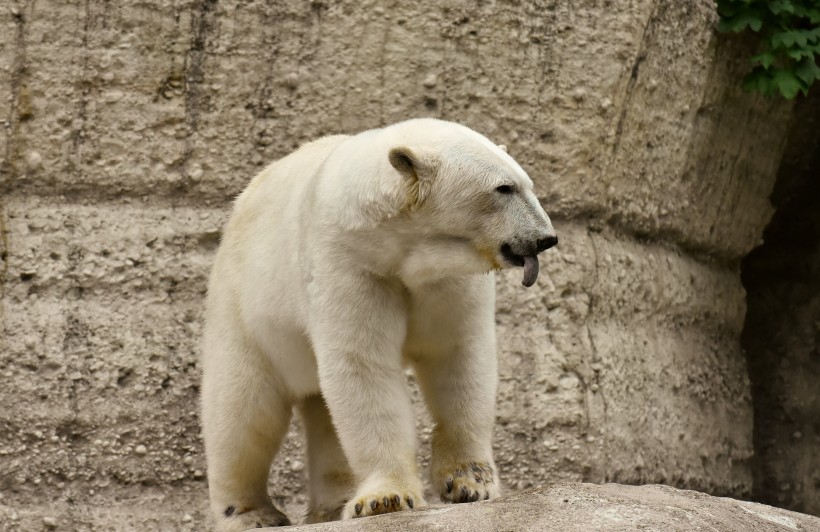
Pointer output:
x,y
204,32
781,336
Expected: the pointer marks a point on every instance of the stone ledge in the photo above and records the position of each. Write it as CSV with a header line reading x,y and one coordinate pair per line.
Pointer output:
x,y
569,507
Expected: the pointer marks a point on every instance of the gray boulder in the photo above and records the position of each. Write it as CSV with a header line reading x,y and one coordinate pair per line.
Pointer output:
x,y
569,507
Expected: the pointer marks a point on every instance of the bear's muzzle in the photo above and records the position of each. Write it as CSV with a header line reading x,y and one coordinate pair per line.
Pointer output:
x,y
528,257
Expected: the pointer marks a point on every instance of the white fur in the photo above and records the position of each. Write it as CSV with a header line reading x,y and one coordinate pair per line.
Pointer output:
x,y
336,270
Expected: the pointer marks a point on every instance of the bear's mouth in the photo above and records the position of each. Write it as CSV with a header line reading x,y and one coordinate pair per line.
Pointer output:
x,y
529,262
509,256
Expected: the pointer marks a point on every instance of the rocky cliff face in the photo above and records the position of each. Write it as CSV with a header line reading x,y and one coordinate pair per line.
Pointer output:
x,y
129,127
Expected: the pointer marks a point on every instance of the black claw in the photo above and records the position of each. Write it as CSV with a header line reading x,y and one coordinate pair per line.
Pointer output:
x,y
463,492
474,496
229,511
386,502
487,496
258,525
374,505
396,500
410,502
449,485
358,508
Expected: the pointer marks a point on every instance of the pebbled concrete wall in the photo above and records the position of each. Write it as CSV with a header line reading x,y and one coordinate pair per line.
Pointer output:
x,y
129,127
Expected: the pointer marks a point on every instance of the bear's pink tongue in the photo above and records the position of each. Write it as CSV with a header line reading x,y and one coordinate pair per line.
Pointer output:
x,y
530,271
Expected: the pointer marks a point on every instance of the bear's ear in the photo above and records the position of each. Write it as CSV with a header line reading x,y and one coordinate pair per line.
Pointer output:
x,y
413,164
417,167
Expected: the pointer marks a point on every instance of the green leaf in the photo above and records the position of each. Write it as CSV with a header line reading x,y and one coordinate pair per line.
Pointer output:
x,y
787,61
779,6
787,39
787,83
810,50
798,53
783,39
726,9
755,23
807,70
740,22
801,11
758,80
766,59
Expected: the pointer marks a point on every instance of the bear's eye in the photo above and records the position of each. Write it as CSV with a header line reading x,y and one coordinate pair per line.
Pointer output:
x,y
504,189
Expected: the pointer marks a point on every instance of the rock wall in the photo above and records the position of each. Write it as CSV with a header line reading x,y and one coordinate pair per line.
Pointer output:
x,y
130,127
782,333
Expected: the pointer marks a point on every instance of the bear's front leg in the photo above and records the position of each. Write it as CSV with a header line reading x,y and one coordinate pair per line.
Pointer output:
x,y
461,397
358,324
456,364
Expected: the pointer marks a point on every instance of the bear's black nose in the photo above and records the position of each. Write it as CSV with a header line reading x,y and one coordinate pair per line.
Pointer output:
x,y
546,243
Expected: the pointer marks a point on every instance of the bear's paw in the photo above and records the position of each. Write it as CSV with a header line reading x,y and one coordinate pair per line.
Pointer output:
x,y
383,502
468,482
236,519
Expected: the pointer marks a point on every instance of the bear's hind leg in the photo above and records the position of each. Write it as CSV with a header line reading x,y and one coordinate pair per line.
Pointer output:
x,y
331,480
245,418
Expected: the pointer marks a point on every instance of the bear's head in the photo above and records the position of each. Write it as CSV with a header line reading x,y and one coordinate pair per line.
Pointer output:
x,y
463,188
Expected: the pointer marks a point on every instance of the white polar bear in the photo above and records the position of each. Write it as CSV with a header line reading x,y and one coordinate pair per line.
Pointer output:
x,y
341,264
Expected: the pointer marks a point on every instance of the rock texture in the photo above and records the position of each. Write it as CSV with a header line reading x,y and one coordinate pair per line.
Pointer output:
x,y
129,127
582,507
782,332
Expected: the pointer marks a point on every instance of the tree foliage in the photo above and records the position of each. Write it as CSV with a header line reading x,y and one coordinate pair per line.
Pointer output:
x,y
789,42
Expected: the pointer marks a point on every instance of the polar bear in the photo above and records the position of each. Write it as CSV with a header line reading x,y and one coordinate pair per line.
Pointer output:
x,y
342,264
